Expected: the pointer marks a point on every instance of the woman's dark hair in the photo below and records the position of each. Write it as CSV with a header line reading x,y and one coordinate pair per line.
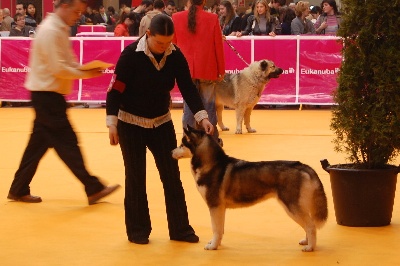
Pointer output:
x,y
192,14
161,24
332,3
229,10
316,10
111,9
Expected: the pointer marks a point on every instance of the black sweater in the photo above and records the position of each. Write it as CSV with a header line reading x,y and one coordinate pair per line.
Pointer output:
x,y
147,90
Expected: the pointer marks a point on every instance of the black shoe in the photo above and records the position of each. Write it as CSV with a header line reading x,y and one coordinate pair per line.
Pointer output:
x,y
140,241
220,142
192,238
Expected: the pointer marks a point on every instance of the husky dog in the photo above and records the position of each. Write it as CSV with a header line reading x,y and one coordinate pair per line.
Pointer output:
x,y
242,91
226,182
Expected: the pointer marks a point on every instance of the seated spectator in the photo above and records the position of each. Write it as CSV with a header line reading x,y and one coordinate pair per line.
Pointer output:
x,y
7,20
302,25
20,28
229,20
249,12
315,13
32,15
328,22
90,16
287,15
102,17
158,6
125,21
21,9
113,15
261,23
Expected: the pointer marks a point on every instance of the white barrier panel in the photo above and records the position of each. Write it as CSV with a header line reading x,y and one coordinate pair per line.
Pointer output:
x,y
310,65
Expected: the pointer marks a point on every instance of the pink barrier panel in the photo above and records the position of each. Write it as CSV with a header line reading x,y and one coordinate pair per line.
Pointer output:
x,y
91,28
310,66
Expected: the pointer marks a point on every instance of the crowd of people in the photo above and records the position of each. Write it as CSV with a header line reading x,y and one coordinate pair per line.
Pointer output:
x,y
263,17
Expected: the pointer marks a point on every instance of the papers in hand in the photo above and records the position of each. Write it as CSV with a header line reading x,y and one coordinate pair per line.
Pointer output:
x,y
95,64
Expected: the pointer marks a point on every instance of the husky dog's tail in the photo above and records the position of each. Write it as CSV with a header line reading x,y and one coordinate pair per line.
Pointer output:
x,y
320,210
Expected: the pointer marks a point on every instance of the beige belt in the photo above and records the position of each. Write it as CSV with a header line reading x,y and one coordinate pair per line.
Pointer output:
x,y
142,121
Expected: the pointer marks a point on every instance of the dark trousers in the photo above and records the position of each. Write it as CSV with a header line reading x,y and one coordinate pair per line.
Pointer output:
x,y
51,128
160,141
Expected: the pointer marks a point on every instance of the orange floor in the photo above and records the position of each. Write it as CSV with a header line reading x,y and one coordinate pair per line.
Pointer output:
x,y
64,230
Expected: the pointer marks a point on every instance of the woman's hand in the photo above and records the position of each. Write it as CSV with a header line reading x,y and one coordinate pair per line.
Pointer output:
x,y
207,126
113,135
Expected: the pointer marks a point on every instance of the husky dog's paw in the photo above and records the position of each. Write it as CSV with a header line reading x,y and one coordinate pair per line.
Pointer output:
x,y
210,246
238,131
225,128
307,249
251,130
303,242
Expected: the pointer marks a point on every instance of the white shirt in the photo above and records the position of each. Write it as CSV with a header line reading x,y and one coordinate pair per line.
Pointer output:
x,y
53,64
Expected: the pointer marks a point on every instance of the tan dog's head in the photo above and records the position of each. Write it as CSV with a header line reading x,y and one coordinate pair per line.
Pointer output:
x,y
266,69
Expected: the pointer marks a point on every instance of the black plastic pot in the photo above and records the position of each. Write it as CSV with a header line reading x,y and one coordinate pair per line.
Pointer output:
x,y
362,197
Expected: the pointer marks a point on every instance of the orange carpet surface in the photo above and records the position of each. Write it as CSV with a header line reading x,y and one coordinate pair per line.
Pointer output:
x,y
64,230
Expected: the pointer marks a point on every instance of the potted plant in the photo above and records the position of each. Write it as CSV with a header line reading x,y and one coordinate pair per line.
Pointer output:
x,y
366,119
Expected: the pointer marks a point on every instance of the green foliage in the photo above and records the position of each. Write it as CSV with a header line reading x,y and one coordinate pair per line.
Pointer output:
x,y
366,120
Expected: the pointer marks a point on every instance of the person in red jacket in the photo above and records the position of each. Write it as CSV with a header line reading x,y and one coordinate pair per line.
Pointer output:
x,y
199,36
122,28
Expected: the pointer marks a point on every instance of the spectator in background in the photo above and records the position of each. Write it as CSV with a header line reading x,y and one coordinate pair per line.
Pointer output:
x,y
286,16
249,12
140,11
274,7
328,22
125,21
1,16
90,16
7,20
102,17
215,8
145,21
20,29
234,6
301,25
112,14
229,20
170,8
315,12
32,15
21,8
261,23
198,35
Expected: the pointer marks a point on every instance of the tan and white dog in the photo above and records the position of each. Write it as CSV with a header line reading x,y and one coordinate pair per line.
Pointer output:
x,y
242,91
226,182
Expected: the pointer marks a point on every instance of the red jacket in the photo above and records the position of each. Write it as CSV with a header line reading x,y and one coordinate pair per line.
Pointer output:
x,y
204,49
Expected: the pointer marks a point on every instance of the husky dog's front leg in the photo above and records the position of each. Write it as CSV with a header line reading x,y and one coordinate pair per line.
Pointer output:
x,y
217,222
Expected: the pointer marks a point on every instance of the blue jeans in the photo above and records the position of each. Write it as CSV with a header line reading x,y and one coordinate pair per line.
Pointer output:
x,y
207,93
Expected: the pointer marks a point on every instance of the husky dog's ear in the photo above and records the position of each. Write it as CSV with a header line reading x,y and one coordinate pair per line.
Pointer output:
x,y
186,131
190,129
263,65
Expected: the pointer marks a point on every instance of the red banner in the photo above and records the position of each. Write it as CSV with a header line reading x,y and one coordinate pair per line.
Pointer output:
x,y
310,65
